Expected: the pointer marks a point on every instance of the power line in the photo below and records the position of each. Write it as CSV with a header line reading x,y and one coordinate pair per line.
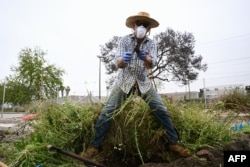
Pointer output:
x,y
237,36
226,39
227,76
230,60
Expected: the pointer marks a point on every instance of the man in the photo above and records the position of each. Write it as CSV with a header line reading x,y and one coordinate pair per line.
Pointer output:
x,y
136,53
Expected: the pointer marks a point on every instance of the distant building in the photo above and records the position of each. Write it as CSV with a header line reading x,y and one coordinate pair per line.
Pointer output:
x,y
217,91
177,96
209,92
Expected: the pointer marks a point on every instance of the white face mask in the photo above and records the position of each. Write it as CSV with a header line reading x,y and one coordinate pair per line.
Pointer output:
x,y
140,32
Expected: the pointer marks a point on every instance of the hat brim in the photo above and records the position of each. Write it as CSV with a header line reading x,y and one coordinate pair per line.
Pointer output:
x,y
130,22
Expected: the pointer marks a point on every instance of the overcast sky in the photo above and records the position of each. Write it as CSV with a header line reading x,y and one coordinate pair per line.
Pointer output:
x,y
71,31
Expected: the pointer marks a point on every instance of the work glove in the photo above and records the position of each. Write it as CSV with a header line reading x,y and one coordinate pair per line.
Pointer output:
x,y
142,54
126,56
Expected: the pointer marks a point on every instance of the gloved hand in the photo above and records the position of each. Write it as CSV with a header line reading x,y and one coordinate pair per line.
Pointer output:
x,y
142,55
126,56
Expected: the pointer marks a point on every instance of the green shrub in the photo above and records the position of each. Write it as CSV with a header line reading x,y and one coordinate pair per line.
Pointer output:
x,y
237,101
134,133
67,126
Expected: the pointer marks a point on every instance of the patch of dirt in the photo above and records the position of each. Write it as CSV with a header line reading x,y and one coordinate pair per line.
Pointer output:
x,y
204,157
207,157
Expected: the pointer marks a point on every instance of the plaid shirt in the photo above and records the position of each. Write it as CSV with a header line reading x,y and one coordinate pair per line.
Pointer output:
x,y
135,71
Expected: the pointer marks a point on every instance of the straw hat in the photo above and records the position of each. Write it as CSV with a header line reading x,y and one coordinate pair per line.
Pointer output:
x,y
142,16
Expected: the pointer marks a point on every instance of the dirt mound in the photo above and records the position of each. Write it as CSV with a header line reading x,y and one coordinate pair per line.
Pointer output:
x,y
206,157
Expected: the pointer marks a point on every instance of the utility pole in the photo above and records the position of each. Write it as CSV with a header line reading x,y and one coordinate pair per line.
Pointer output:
x,y
41,86
3,99
99,78
189,93
204,93
57,94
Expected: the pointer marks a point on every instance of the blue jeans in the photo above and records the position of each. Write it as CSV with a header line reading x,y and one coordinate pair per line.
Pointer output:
x,y
115,100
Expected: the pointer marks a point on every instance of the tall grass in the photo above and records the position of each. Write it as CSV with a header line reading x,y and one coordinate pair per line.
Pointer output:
x,y
199,127
67,126
135,135
235,100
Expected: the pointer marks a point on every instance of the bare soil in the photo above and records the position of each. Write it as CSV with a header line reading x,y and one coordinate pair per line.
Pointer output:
x,y
206,157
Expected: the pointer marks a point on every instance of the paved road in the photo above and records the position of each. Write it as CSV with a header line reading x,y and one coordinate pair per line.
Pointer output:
x,y
11,115
10,120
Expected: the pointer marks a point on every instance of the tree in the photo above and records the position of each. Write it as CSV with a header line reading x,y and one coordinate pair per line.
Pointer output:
x,y
61,89
67,89
176,57
34,78
108,51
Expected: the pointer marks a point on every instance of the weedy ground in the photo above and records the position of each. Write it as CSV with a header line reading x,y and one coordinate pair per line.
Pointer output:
x,y
135,137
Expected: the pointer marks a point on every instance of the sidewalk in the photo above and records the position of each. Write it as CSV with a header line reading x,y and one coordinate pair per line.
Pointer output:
x,y
10,120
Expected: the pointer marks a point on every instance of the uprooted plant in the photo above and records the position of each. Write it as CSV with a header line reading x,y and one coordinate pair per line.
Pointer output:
x,y
135,136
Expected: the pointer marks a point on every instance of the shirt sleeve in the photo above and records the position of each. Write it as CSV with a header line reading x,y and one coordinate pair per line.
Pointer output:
x,y
119,51
153,53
